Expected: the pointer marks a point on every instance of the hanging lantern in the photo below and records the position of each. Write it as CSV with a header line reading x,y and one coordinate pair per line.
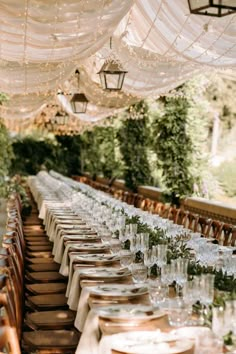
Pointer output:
x,y
79,103
112,75
217,8
60,118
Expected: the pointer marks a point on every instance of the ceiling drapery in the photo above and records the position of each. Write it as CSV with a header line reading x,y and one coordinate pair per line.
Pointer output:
x,y
159,42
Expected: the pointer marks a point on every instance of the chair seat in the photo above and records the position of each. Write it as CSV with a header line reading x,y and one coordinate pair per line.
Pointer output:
x,y
31,239
33,228
39,248
47,288
46,301
43,242
57,339
39,260
32,222
42,277
42,254
45,267
58,319
34,234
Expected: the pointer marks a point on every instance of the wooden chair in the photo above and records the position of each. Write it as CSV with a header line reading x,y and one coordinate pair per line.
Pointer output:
x,y
203,225
182,218
9,342
192,220
233,239
173,214
138,200
164,211
146,204
158,207
131,198
214,229
52,341
227,236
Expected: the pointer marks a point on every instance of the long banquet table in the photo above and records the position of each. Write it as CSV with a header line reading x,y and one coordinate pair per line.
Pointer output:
x,y
91,267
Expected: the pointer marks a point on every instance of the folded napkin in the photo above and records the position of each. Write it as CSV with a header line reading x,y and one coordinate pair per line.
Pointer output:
x,y
89,340
64,269
83,308
74,292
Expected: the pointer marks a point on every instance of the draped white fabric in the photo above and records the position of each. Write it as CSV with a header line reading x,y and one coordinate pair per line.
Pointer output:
x,y
160,44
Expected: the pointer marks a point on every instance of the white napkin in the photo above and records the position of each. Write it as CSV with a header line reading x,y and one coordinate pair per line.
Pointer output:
x,y
83,308
58,250
74,293
70,275
64,269
89,340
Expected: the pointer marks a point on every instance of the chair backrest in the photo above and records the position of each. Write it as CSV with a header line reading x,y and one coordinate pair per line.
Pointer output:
x,y
10,264
138,200
214,229
203,225
10,296
130,198
173,214
16,225
157,208
192,220
15,250
226,237
233,240
164,211
9,342
182,218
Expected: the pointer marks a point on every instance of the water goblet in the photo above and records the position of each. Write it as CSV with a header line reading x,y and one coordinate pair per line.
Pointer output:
x,y
177,312
158,293
115,245
139,273
126,258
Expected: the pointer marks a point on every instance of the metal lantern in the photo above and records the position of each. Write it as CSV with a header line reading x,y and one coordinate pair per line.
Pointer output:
x,y
112,75
60,119
217,8
79,103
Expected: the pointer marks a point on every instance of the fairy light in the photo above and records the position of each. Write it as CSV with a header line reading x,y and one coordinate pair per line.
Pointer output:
x,y
44,65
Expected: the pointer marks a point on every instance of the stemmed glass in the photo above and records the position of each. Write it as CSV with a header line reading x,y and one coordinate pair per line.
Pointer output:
x,y
191,292
149,259
144,242
167,274
161,255
206,295
181,272
133,229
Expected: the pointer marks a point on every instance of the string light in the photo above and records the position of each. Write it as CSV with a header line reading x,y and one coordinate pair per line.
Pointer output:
x,y
156,59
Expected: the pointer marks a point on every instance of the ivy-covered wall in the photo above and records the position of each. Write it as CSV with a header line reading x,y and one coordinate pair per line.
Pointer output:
x,y
134,141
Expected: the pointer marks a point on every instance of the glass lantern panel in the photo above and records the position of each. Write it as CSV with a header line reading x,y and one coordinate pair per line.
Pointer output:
x,y
112,81
80,107
197,4
102,79
227,3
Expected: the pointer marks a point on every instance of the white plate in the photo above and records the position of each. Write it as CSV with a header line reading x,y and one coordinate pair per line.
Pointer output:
x,y
97,257
90,246
127,312
119,290
107,273
149,342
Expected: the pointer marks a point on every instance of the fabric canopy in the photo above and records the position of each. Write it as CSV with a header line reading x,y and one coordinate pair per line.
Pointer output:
x,y
160,44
